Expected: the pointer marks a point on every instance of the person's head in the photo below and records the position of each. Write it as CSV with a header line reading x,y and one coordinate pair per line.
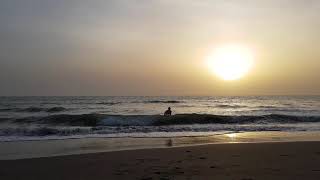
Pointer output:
x,y
169,108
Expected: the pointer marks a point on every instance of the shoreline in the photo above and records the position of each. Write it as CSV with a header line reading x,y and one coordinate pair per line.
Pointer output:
x,y
51,148
243,161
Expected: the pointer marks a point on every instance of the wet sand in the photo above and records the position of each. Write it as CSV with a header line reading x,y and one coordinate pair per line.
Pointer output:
x,y
235,161
13,150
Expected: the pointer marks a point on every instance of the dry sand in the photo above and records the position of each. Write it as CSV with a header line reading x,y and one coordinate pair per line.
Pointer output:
x,y
239,161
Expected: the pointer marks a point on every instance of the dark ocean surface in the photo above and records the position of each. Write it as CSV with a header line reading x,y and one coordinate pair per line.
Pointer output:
x,y
67,117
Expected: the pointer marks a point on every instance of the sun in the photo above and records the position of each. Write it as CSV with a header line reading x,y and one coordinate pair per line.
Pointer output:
x,y
230,62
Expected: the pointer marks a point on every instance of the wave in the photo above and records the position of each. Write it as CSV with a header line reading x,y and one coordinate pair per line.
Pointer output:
x,y
38,109
109,103
6,109
217,119
160,101
268,107
143,131
34,109
146,131
147,102
158,120
56,109
43,131
230,106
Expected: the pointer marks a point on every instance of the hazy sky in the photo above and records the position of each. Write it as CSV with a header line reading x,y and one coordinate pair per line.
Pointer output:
x,y
156,47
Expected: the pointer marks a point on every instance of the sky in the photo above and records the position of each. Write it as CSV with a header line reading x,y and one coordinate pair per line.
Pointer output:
x,y
156,47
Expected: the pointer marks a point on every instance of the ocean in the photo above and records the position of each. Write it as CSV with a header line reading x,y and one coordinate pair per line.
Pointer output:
x,y
34,118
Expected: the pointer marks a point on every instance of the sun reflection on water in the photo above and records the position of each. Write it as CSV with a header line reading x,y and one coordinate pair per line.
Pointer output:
x,y
232,136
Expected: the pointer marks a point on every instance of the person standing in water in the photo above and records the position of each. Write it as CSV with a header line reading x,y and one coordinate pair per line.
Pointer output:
x,y
168,112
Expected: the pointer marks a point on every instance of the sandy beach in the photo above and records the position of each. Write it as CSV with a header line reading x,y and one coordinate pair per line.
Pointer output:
x,y
242,161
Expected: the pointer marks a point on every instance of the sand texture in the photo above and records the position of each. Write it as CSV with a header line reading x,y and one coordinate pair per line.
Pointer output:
x,y
243,161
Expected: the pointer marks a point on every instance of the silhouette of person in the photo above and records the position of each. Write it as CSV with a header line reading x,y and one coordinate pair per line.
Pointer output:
x,y
168,112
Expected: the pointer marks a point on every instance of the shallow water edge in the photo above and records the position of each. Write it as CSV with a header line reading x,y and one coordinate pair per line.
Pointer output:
x,y
49,148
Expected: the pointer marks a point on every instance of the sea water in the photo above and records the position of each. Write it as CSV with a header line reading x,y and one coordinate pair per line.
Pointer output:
x,y
24,118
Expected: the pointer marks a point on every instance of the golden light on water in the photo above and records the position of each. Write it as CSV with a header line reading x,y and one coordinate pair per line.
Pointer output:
x,y
230,62
233,135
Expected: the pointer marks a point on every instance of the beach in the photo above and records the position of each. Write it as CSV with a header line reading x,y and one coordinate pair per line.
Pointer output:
x,y
159,90
243,161
236,138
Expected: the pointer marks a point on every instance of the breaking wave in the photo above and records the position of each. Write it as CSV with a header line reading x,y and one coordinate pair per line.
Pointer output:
x,y
121,131
117,125
158,120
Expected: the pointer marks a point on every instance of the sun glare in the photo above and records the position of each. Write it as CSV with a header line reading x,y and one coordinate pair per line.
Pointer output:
x,y
230,62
